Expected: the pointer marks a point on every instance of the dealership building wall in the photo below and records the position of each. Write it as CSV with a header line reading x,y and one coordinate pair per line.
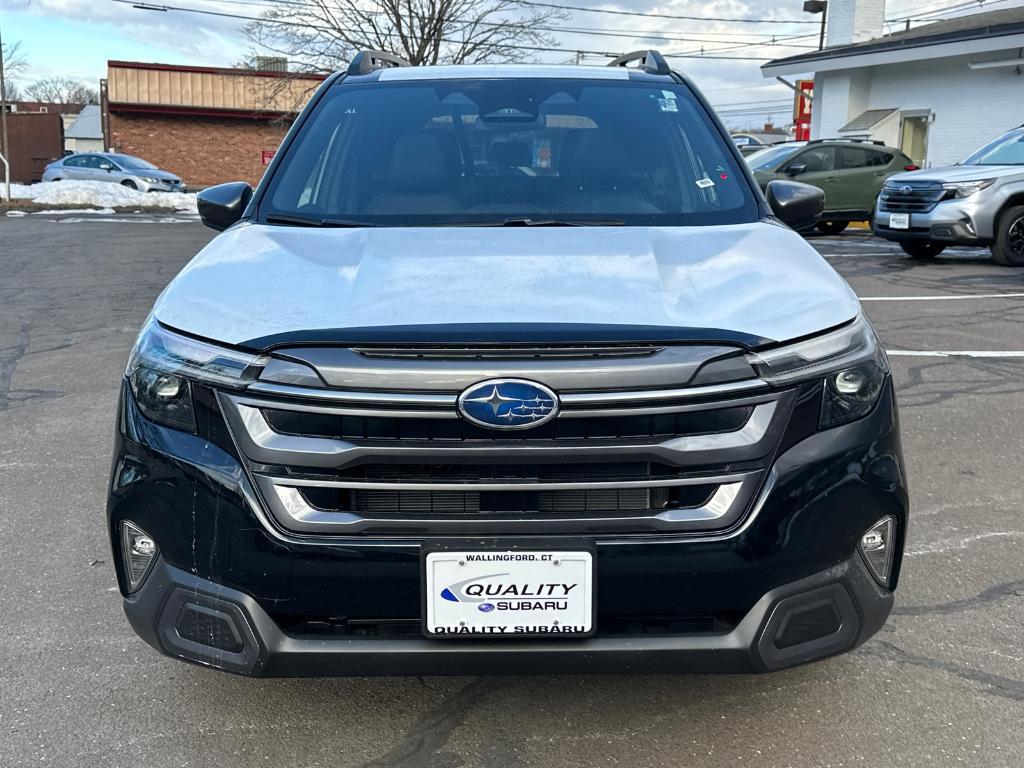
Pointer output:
x,y
209,125
201,150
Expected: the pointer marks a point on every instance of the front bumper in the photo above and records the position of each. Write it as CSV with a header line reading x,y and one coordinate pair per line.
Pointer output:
x,y
955,222
160,186
260,589
857,605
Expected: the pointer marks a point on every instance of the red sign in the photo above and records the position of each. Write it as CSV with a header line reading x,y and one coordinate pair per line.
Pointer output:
x,y
267,155
802,110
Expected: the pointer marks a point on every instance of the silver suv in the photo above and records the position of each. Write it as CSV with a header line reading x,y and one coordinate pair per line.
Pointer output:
x,y
977,202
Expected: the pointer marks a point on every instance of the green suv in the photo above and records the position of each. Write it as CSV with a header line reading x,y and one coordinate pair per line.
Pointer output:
x,y
850,172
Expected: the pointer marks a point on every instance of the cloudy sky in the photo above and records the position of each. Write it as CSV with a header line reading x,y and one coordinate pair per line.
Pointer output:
x,y
75,38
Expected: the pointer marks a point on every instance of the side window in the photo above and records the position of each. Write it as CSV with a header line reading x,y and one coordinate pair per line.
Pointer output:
x,y
854,157
92,161
76,162
816,159
861,157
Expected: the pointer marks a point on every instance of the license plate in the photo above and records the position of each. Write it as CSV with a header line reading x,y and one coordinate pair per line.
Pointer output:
x,y
509,593
899,221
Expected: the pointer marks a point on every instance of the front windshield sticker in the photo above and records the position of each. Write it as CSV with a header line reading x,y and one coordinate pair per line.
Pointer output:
x,y
668,105
704,183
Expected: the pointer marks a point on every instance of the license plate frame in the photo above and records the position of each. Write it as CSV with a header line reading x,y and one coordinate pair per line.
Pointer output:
x,y
899,221
439,563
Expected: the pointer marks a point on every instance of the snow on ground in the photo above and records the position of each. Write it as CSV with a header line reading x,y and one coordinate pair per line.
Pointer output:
x,y
100,194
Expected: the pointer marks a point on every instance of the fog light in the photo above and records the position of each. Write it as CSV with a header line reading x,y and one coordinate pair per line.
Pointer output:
x,y
139,552
877,546
851,382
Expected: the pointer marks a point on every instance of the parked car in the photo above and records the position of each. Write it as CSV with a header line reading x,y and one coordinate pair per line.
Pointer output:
x,y
849,171
978,202
507,368
128,171
749,143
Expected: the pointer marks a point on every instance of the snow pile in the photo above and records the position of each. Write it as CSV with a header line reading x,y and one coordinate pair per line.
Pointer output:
x,y
100,194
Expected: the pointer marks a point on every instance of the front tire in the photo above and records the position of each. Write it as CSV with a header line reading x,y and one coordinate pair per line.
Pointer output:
x,y
832,227
1008,249
130,184
922,249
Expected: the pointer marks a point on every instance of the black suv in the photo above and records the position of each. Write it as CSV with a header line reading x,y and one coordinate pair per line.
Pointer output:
x,y
507,369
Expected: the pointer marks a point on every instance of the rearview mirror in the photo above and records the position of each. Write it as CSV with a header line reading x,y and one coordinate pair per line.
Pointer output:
x,y
223,205
796,169
796,204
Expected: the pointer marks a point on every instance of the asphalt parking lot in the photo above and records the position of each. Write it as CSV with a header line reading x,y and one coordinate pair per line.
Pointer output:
x,y
942,684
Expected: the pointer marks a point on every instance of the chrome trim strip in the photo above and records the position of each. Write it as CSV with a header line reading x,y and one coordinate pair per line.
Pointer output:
x,y
662,394
347,396
342,410
713,405
450,400
286,501
258,441
470,487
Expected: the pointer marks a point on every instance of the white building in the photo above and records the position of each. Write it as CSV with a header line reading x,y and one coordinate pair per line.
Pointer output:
x,y
85,134
937,91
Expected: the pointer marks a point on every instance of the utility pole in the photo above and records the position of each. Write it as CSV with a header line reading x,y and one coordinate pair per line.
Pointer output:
x,y
3,124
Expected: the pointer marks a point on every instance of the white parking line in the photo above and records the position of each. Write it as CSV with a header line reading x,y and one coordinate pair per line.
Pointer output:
x,y
948,353
959,297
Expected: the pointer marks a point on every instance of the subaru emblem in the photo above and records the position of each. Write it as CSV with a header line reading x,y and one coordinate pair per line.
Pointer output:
x,y
508,404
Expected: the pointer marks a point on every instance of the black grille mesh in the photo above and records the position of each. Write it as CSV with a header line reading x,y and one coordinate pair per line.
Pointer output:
x,y
359,428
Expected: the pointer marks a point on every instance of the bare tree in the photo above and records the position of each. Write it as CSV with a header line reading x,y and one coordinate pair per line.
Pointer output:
x,y
11,91
321,35
62,90
14,59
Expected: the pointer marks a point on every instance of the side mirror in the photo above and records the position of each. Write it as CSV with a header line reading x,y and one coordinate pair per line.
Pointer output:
x,y
795,169
798,205
223,205
106,167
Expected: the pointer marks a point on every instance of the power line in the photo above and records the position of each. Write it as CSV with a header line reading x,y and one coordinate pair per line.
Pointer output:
x,y
920,14
578,8
633,34
322,28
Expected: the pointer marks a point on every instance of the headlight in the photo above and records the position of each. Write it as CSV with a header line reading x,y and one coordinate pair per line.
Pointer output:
x,y
163,365
851,361
150,179
967,188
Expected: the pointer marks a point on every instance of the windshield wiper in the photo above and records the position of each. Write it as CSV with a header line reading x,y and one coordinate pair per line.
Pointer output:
x,y
523,222
296,220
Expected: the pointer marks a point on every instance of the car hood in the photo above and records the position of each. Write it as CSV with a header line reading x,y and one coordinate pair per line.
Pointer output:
x,y
259,286
960,173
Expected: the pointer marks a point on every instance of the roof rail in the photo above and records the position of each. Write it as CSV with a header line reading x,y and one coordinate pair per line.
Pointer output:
x,y
365,62
650,61
856,141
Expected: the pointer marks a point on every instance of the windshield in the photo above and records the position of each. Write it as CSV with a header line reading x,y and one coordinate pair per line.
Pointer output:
x,y
127,161
770,157
1008,149
448,152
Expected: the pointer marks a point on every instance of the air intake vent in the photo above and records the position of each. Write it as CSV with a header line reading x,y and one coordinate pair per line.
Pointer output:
x,y
585,351
802,625
208,627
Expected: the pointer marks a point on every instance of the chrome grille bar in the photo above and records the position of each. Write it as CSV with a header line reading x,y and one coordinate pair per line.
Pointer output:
x,y
259,442
722,509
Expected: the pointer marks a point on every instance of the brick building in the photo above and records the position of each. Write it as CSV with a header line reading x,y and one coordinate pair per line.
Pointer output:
x,y
206,124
